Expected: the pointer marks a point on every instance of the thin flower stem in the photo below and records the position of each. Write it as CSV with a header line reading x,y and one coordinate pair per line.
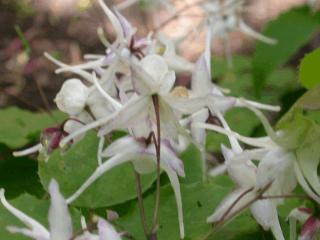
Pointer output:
x,y
155,100
140,203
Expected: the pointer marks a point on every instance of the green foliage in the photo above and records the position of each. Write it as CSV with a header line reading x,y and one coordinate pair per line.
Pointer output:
x,y
309,71
192,165
18,175
73,167
199,201
292,30
20,127
37,209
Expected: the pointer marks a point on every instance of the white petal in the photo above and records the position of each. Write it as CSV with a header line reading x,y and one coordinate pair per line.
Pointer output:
x,y
169,157
75,70
201,81
37,229
167,82
266,215
72,96
174,180
127,116
125,144
117,119
217,171
33,149
243,173
106,95
107,231
114,21
59,218
304,183
220,103
155,66
186,105
248,30
242,197
277,167
198,134
102,169
264,142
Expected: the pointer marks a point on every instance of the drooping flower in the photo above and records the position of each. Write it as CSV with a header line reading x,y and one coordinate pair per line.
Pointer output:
x,y
60,223
143,156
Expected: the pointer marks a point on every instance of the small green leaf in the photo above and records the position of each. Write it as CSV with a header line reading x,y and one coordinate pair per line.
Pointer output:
x,y
20,127
72,168
309,71
35,208
292,29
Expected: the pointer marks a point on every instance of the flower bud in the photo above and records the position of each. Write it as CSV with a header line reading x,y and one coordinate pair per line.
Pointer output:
x,y
72,97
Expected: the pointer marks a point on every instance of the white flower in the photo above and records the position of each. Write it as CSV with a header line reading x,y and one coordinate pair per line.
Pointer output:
x,y
72,97
60,223
223,18
143,157
175,62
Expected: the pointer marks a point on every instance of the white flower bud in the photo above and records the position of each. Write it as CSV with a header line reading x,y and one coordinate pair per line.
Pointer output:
x,y
72,96
155,66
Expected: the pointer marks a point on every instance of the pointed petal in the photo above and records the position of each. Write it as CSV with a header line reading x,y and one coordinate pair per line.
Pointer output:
x,y
198,134
127,116
169,157
59,218
174,180
186,105
114,21
125,144
304,183
127,28
249,31
201,81
266,215
102,169
36,228
232,204
308,158
107,231
118,119
263,142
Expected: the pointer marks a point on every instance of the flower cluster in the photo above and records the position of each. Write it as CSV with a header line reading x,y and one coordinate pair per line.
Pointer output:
x,y
132,87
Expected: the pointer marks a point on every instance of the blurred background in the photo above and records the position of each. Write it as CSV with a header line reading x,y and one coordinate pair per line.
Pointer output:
x,y
67,29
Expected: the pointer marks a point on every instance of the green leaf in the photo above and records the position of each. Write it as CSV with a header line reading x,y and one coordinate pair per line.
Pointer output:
x,y
18,175
199,201
35,208
192,165
20,127
309,71
72,168
292,29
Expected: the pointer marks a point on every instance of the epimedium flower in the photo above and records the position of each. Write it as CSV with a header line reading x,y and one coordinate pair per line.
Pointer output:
x,y
142,153
152,79
223,17
60,223
245,174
